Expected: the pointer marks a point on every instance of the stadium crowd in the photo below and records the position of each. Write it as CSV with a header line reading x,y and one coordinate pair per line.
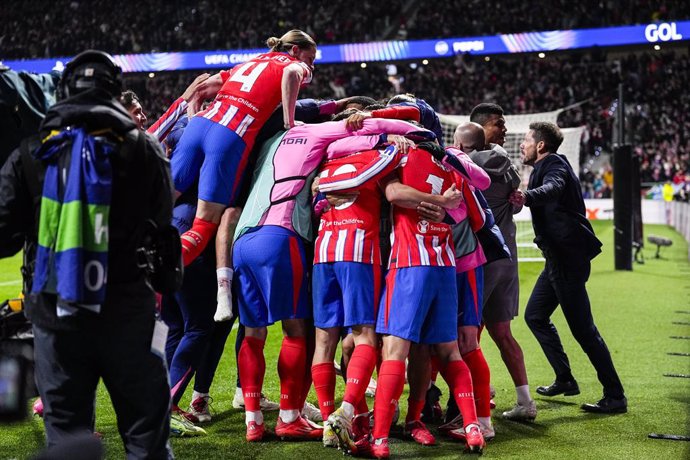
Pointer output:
x,y
586,82
183,26
518,84
441,20
180,26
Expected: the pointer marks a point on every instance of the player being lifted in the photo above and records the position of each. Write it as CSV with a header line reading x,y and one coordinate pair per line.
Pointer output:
x,y
216,144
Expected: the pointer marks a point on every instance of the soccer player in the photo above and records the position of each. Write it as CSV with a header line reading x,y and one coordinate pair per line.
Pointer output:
x,y
403,107
469,261
162,127
347,282
346,289
270,266
501,287
420,303
218,140
190,312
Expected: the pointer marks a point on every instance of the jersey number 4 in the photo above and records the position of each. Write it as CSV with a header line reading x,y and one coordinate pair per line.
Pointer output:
x,y
247,75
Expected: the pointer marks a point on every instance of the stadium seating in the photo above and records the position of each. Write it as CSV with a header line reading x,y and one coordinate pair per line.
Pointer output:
x,y
158,25
656,100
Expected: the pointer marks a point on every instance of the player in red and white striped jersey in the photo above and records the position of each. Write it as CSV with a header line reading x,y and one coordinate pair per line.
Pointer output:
x,y
420,301
418,242
216,144
162,127
347,280
350,232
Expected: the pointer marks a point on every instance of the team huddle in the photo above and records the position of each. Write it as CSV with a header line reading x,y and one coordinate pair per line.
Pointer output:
x,y
350,221
381,185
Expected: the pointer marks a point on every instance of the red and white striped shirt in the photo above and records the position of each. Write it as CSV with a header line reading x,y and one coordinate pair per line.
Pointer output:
x,y
416,241
161,128
251,92
350,232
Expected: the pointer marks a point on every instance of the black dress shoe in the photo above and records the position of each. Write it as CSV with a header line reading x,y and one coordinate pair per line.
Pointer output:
x,y
607,406
556,388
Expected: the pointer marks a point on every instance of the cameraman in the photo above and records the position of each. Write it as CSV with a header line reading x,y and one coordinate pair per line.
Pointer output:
x,y
77,343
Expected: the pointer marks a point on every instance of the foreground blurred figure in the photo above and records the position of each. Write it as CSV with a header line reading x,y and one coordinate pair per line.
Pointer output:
x,y
90,302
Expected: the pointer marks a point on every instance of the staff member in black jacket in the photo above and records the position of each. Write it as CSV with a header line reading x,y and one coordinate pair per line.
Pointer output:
x,y
78,344
568,242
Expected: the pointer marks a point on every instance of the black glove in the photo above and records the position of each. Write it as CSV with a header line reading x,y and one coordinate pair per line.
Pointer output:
x,y
434,149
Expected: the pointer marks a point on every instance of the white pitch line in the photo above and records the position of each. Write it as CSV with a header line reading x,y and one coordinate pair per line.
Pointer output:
x,y
10,283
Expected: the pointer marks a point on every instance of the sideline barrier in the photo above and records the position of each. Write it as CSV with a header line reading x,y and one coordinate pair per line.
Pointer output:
x,y
680,220
675,214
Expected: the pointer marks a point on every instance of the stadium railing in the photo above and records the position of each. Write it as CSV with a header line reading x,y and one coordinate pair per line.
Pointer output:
x,y
680,220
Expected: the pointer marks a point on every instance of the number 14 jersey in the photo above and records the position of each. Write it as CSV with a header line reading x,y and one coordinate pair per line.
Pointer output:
x,y
416,241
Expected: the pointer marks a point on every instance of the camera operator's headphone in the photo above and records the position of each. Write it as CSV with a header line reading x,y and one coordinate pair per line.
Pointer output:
x,y
91,69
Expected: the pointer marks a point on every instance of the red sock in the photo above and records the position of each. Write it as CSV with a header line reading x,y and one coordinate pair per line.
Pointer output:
x,y
252,367
390,387
459,380
324,384
307,379
379,359
195,239
291,363
435,366
414,410
362,407
359,372
481,377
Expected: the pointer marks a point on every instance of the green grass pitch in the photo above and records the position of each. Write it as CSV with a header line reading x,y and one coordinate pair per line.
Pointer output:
x,y
633,310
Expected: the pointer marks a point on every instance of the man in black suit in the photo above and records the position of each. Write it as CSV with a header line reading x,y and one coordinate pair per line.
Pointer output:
x,y
568,243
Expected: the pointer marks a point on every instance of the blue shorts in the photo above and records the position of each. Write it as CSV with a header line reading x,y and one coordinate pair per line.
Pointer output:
x,y
270,276
470,296
345,294
420,304
214,154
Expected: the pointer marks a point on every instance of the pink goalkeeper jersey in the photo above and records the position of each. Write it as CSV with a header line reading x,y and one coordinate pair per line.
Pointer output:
x,y
300,152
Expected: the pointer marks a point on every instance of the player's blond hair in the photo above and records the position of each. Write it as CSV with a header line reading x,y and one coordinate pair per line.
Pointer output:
x,y
291,38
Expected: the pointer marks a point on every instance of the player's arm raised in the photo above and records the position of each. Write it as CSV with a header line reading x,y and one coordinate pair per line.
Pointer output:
x,y
292,79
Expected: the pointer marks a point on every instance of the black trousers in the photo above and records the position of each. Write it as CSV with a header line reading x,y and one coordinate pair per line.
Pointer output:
x,y
115,347
564,284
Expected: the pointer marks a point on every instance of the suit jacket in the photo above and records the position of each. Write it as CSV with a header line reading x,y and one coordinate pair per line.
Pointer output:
x,y
558,212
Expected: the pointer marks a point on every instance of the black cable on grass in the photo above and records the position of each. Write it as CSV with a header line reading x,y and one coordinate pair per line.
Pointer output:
x,y
671,437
